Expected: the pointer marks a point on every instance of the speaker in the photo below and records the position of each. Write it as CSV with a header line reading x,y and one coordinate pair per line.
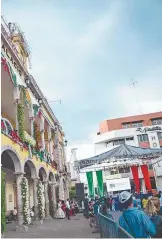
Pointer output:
x,y
80,191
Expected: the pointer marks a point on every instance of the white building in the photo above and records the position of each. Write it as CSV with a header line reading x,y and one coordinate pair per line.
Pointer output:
x,y
141,131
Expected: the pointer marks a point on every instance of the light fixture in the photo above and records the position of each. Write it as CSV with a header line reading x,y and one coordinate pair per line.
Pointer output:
x,y
27,81
66,142
40,101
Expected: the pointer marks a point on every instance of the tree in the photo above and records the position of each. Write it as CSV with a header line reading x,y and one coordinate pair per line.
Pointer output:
x,y
72,193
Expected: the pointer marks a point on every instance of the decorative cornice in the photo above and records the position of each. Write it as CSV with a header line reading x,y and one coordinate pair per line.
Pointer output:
x,y
39,94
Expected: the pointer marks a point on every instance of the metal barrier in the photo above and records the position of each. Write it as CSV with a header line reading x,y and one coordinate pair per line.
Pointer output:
x,y
109,228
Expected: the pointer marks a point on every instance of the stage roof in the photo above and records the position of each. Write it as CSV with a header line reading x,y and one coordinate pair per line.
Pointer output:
x,y
123,151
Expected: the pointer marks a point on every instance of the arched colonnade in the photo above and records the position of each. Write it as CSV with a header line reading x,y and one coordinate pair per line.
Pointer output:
x,y
15,170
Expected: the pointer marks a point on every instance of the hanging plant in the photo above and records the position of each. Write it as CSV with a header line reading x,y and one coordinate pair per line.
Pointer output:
x,y
51,203
3,205
29,139
36,109
21,120
36,135
25,200
41,211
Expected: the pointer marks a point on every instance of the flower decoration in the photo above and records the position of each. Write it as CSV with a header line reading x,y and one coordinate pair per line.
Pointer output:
x,y
29,139
41,210
25,200
3,204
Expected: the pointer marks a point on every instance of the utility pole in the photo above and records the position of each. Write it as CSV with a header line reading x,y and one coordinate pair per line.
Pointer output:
x,y
133,84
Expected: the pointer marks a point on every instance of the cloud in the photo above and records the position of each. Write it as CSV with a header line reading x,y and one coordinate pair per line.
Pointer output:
x,y
87,55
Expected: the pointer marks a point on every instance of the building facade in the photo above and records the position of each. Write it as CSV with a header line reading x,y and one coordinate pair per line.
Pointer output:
x,y
141,131
32,139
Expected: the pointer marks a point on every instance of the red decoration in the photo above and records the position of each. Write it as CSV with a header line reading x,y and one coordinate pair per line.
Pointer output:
x,y
136,177
145,173
2,125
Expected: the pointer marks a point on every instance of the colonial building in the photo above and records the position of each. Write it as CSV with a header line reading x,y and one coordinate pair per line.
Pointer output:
x,y
32,139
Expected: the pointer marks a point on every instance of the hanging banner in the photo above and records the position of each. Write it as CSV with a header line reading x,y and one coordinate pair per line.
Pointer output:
x,y
90,183
136,177
100,182
146,177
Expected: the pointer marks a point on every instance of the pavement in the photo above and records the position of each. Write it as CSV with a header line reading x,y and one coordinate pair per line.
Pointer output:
x,y
56,228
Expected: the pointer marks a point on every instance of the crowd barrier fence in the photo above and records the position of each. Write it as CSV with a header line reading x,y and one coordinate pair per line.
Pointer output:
x,y
108,228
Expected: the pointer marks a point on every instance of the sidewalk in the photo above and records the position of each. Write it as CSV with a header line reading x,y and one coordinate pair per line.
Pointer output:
x,y
57,228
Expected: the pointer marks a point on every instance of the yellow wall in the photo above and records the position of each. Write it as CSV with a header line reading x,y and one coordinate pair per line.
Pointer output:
x,y
24,154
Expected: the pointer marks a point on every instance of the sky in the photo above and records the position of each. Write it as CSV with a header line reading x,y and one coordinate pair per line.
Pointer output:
x,y
87,52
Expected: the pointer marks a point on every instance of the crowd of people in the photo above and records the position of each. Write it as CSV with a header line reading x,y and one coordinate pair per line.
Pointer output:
x,y
67,209
141,214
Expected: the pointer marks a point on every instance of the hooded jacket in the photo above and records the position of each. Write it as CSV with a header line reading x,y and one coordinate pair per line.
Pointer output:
x,y
137,223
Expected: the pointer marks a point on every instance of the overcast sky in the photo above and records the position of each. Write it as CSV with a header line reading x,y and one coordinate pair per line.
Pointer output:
x,y
87,51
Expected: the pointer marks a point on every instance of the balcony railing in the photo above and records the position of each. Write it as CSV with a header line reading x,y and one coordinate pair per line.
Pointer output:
x,y
42,155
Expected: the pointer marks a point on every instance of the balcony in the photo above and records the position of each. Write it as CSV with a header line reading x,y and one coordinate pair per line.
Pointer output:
x,y
28,145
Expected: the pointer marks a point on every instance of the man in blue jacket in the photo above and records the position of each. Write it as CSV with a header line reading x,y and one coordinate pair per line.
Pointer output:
x,y
134,221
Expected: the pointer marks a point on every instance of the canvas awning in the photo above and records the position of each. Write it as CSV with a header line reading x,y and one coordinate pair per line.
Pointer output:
x,y
121,152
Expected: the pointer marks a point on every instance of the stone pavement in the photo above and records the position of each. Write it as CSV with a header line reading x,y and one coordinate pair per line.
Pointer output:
x,y
57,228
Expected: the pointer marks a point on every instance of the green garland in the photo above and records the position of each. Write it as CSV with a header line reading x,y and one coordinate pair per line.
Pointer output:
x,y
3,204
21,121
41,212
25,200
36,135
51,203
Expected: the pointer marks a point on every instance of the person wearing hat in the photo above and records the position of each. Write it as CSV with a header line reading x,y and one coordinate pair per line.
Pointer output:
x,y
133,220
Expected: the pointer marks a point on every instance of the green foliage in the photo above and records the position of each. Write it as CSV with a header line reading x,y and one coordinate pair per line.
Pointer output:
x,y
36,135
72,193
51,203
3,204
41,212
21,121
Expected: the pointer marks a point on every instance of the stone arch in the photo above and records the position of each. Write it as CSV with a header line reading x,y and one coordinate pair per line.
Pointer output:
x,y
51,177
11,152
42,174
32,168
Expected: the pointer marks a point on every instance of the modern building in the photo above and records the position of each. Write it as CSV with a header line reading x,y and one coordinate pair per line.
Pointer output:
x,y
32,139
139,130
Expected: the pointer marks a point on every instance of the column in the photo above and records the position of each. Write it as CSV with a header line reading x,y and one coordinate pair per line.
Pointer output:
x,y
61,189
19,199
42,131
46,199
35,181
53,185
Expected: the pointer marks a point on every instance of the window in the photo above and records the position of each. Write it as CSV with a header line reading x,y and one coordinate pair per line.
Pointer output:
x,y
137,124
159,135
130,139
156,121
114,171
126,125
153,183
143,138
150,167
119,142
124,170
8,127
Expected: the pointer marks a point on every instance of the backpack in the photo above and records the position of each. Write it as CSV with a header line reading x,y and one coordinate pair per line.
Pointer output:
x,y
157,220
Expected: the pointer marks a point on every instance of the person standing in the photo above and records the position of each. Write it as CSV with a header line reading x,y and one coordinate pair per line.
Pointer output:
x,y
68,209
133,220
86,208
60,213
76,209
